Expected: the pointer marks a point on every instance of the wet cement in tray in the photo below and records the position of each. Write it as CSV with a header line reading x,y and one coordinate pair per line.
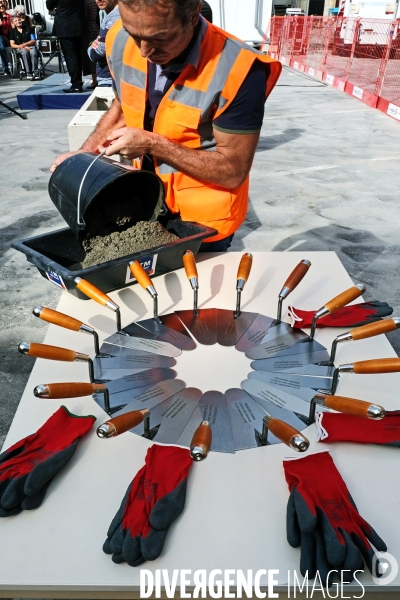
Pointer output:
x,y
142,236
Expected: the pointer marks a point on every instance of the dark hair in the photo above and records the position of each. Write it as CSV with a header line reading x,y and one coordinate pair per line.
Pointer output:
x,y
184,9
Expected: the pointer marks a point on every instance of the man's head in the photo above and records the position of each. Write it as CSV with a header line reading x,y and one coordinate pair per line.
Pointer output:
x,y
162,29
107,5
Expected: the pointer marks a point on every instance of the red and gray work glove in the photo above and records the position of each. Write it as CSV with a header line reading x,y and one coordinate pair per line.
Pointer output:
x,y
27,467
348,316
154,499
338,427
323,519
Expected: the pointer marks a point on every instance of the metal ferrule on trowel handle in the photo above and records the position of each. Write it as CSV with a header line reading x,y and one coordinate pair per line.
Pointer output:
x,y
191,272
144,280
125,422
56,318
333,305
97,295
290,284
366,367
284,432
241,278
362,333
56,353
56,391
348,406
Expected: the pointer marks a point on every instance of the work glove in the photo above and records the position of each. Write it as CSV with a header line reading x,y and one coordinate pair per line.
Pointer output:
x,y
338,427
27,467
348,316
323,520
154,499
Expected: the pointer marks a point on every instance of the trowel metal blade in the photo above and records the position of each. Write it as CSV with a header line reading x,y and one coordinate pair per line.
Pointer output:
x,y
116,367
203,327
294,362
231,329
295,420
112,351
175,418
146,344
246,417
316,370
176,411
212,408
278,397
292,382
171,330
285,345
147,396
246,414
255,334
148,377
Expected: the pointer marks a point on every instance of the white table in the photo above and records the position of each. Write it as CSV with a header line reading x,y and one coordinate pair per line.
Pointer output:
x,y
235,510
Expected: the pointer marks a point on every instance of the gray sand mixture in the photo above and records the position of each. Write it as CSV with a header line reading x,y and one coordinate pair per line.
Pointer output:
x,y
142,236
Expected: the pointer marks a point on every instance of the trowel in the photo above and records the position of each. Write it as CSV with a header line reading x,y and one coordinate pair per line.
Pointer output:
x,y
167,327
250,421
201,322
315,364
297,342
231,325
212,408
136,377
280,398
168,418
109,362
133,336
264,326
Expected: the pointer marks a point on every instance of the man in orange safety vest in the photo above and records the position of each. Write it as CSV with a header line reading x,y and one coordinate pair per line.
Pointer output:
x,y
189,105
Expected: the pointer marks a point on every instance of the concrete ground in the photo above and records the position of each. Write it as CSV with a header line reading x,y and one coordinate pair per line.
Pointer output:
x,y
324,178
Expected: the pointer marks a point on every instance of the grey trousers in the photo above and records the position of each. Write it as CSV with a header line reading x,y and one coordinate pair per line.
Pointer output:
x,y
30,58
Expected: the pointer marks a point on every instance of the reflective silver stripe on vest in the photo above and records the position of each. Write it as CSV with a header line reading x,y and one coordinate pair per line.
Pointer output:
x,y
121,71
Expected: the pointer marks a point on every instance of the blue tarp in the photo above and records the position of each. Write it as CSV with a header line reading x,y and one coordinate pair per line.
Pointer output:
x,y
48,94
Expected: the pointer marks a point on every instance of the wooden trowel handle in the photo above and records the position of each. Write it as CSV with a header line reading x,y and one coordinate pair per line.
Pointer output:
x,y
49,352
288,435
297,275
122,423
201,441
140,274
57,318
54,391
379,365
371,329
92,291
344,298
351,406
189,263
245,266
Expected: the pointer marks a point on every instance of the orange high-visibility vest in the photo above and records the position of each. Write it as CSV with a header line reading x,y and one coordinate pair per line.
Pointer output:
x,y
185,114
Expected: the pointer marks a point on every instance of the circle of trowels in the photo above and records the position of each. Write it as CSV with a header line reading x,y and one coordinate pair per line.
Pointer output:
x,y
137,364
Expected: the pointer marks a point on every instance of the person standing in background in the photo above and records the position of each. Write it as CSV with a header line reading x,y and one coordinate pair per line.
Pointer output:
x,y
69,27
92,26
5,26
97,49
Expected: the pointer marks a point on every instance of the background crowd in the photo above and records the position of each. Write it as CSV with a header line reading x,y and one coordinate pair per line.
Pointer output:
x,y
80,26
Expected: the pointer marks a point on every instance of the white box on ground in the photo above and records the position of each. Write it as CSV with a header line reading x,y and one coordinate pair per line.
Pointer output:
x,y
86,119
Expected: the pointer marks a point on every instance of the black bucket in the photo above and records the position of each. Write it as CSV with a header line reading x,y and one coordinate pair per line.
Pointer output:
x,y
113,196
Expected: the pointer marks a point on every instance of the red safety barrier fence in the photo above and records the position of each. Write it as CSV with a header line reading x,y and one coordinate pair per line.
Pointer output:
x,y
358,56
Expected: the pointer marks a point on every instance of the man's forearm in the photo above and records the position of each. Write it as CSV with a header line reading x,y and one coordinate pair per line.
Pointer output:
x,y
210,166
112,119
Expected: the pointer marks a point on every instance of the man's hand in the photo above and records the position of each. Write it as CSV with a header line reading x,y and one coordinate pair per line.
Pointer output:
x,y
129,142
61,158
96,43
